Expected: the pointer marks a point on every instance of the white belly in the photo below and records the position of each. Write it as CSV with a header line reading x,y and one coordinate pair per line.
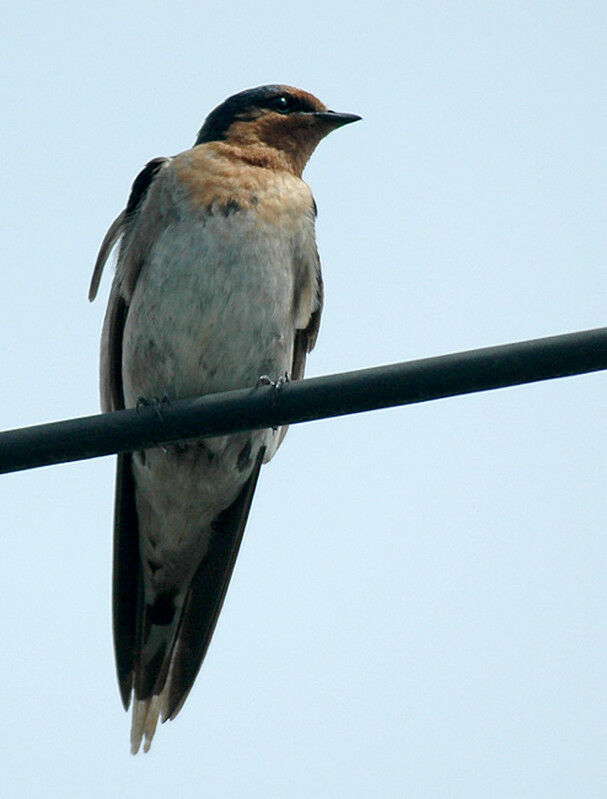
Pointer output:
x,y
212,310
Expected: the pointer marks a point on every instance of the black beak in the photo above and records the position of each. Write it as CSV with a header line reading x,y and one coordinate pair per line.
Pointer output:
x,y
335,118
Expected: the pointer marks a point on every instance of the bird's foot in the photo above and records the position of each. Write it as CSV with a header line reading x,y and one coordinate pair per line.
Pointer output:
x,y
155,402
265,380
282,381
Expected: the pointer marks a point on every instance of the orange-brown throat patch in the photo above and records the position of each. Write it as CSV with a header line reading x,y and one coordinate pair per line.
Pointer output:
x,y
219,179
277,141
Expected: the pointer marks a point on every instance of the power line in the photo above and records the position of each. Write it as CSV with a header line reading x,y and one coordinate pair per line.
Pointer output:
x,y
305,400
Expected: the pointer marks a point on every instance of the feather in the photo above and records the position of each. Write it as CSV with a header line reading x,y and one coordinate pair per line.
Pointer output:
x,y
116,230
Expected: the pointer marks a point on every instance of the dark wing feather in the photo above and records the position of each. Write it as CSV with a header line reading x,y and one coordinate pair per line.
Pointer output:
x,y
304,342
206,595
127,590
305,338
139,189
141,184
115,230
126,581
112,394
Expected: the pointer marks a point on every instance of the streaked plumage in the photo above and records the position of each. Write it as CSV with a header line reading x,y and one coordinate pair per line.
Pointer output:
x,y
217,283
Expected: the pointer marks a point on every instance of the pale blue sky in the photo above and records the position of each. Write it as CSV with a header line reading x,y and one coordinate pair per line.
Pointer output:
x,y
419,605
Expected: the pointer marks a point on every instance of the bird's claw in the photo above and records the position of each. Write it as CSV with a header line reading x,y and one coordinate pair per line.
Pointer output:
x,y
155,403
265,380
282,381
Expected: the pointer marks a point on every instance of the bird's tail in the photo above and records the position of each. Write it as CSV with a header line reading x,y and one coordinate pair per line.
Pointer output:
x,y
173,633
152,677
144,720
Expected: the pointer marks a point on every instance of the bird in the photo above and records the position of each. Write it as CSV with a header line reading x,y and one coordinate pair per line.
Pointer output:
x,y
217,284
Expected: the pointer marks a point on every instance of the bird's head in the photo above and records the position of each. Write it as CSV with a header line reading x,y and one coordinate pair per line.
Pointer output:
x,y
274,126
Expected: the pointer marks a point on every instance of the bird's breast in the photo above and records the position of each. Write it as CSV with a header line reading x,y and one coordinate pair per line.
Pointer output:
x,y
214,180
213,308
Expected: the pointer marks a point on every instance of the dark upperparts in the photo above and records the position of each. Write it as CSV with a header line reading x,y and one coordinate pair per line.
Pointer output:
x,y
141,184
249,103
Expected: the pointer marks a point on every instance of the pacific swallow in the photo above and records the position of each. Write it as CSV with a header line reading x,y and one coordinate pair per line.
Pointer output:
x,y
217,283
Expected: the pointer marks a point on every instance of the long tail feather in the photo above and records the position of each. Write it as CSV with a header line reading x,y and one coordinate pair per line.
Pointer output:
x,y
170,655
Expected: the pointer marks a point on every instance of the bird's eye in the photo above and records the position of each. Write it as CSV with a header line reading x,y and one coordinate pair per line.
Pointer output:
x,y
282,104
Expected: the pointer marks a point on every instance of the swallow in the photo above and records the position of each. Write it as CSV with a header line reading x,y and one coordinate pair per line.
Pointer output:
x,y
217,283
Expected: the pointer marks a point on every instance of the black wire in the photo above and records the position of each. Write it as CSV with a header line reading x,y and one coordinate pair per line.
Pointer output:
x,y
301,401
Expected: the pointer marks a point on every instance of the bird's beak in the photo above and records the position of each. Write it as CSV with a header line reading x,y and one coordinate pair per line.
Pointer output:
x,y
335,119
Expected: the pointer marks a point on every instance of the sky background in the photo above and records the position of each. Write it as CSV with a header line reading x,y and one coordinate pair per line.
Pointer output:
x,y
419,606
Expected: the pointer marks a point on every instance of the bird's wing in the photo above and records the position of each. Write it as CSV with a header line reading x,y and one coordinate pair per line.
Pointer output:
x,y
206,595
185,652
127,582
304,342
305,337
120,225
115,230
